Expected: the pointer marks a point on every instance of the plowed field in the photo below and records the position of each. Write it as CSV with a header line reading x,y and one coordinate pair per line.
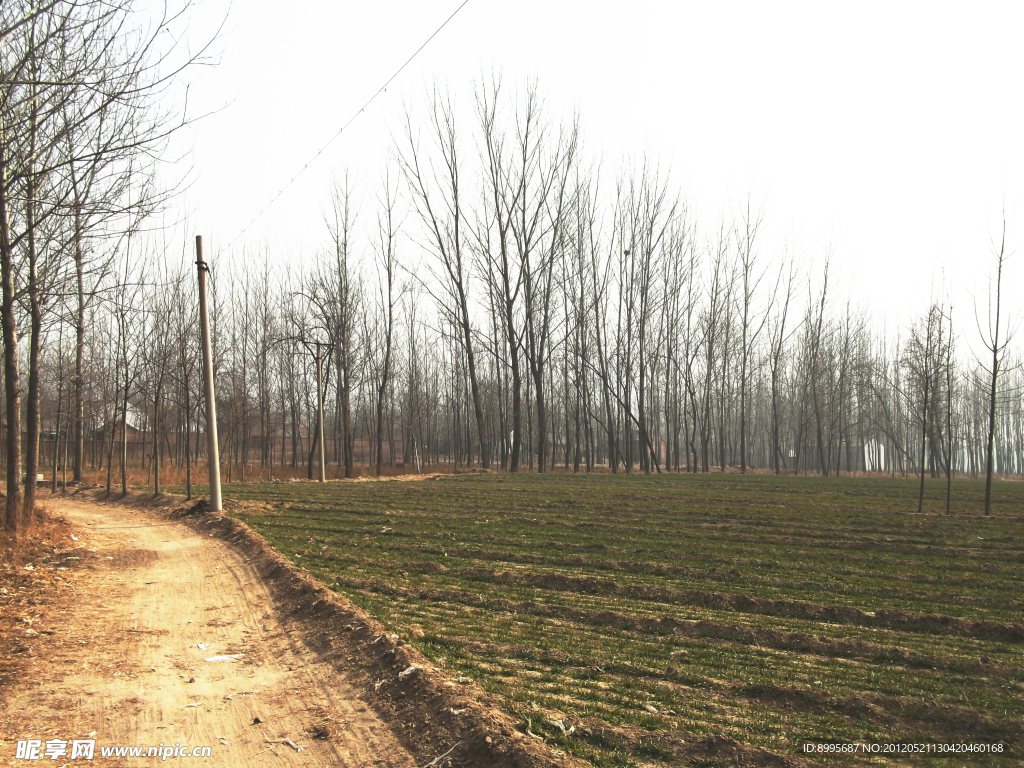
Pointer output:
x,y
653,617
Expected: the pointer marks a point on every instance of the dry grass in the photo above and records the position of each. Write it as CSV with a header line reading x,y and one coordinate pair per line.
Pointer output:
x,y
139,478
26,590
142,477
37,539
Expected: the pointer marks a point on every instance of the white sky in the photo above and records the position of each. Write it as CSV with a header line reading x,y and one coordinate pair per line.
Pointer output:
x,y
891,132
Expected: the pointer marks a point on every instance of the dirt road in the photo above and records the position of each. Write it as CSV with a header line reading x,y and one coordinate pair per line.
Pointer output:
x,y
171,638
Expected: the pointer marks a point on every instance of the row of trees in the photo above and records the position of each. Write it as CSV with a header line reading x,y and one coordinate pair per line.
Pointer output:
x,y
80,131
499,304
542,320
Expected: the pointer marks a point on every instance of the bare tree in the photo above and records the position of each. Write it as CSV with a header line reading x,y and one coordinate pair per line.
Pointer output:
x,y
386,265
750,328
924,355
341,292
996,347
438,198
777,342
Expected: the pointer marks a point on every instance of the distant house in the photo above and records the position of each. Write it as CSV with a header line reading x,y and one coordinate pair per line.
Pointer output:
x,y
96,430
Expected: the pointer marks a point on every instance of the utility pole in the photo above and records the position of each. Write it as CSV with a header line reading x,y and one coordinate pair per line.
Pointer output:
x,y
320,411
212,453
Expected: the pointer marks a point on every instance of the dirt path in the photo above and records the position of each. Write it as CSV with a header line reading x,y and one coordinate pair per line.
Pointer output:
x,y
129,659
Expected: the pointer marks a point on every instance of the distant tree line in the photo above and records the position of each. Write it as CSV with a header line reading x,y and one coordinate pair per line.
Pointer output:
x,y
500,304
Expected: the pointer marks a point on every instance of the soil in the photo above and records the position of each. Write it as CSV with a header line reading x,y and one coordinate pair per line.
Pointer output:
x,y
115,634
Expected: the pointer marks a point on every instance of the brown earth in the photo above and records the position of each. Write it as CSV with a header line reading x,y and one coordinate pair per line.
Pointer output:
x,y
114,635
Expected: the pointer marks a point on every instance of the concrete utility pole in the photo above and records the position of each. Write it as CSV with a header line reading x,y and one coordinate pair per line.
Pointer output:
x,y
320,411
212,452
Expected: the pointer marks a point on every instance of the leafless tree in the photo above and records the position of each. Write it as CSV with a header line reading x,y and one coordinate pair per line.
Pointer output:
x,y
387,267
341,292
751,276
436,189
996,339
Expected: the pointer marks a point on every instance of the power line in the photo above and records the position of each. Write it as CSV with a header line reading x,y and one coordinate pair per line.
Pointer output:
x,y
347,124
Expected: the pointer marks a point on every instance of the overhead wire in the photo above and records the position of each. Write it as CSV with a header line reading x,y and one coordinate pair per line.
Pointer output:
x,y
346,125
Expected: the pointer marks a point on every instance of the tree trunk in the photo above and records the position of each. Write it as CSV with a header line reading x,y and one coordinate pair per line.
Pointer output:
x,y
12,377
32,409
79,384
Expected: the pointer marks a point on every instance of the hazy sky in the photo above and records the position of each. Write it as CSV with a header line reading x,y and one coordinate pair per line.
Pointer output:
x,y
891,133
